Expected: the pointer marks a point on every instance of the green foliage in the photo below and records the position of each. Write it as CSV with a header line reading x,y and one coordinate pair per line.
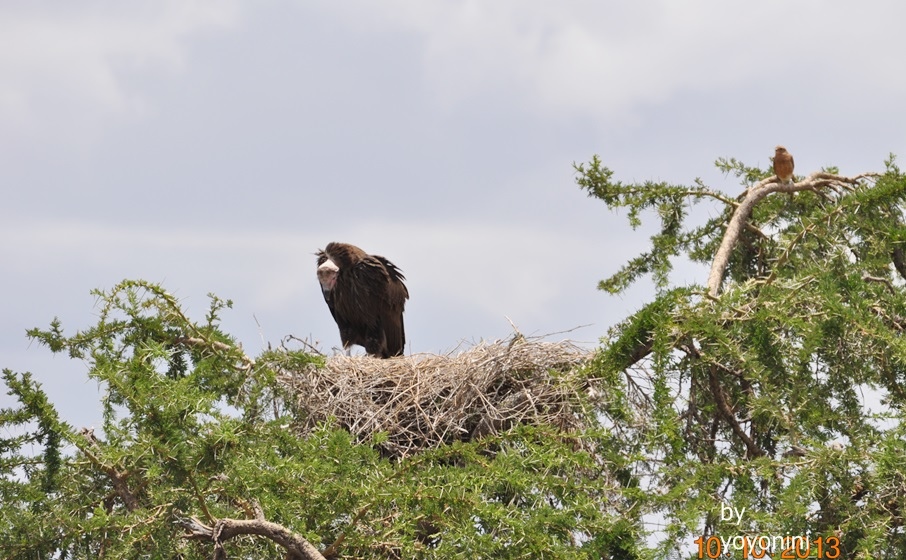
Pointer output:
x,y
670,203
780,395
760,397
170,449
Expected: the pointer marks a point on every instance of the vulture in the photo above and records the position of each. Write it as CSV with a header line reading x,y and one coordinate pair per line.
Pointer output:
x,y
366,296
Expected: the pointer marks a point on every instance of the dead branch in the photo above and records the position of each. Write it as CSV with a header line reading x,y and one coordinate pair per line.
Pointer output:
x,y
817,182
296,546
310,348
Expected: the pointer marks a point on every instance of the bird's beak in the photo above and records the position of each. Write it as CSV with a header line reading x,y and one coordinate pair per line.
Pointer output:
x,y
327,274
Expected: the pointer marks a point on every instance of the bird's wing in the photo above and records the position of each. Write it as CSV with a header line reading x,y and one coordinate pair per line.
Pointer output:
x,y
398,292
392,311
368,279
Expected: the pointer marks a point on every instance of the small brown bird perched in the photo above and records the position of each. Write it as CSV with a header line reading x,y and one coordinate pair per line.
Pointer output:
x,y
366,296
783,165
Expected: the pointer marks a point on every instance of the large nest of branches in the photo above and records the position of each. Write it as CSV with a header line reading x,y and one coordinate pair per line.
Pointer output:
x,y
426,400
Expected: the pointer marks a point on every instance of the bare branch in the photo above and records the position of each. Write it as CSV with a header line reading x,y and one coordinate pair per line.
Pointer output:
x,y
814,182
296,546
311,347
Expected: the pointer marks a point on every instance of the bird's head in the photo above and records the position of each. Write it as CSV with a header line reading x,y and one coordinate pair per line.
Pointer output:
x,y
327,271
335,258
779,150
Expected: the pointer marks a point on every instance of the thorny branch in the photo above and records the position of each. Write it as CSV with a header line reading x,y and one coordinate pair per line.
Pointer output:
x,y
723,405
217,345
884,281
117,477
720,397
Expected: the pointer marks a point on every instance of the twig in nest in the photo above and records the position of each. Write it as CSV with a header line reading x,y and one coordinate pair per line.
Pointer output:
x,y
425,400
307,344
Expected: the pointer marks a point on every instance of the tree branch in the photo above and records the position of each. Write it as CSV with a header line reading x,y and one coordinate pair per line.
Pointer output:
x,y
248,363
117,478
814,182
332,550
884,281
752,449
297,547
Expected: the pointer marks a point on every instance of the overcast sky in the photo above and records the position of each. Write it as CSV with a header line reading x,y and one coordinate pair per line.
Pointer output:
x,y
214,146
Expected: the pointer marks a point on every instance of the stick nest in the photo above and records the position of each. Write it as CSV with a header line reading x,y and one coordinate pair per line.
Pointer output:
x,y
425,400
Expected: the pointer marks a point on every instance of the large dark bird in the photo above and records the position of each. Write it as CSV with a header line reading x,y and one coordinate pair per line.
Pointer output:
x,y
366,296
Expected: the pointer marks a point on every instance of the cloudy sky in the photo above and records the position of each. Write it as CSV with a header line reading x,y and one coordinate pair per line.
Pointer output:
x,y
214,146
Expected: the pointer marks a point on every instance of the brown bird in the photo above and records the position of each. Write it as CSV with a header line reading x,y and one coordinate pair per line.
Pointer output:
x,y
783,165
366,296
